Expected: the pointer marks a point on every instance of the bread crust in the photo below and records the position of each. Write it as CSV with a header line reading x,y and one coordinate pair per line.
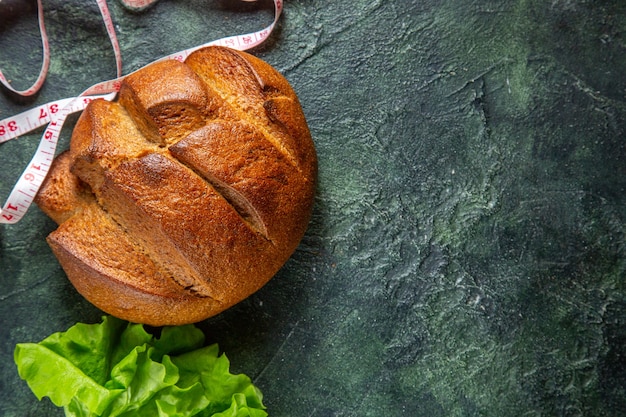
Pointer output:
x,y
187,193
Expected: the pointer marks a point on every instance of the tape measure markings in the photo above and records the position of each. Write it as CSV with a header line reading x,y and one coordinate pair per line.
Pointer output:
x,y
30,181
27,121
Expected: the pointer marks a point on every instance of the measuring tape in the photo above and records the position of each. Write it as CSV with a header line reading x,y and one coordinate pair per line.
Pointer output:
x,y
54,114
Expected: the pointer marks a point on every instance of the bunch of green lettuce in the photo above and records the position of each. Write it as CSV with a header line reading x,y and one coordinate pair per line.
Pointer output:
x,y
116,368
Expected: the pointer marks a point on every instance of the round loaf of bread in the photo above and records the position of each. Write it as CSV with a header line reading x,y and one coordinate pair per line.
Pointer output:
x,y
187,193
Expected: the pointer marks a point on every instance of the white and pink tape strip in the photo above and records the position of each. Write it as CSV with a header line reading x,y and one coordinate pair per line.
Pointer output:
x,y
53,114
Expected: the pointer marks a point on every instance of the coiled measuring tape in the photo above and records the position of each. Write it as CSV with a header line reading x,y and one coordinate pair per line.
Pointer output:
x,y
54,114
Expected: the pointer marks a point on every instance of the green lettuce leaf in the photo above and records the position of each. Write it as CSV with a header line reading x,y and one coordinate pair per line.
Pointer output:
x,y
88,347
118,369
50,374
212,371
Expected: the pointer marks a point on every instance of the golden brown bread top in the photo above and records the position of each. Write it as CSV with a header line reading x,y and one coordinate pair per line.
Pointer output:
x,y
206,169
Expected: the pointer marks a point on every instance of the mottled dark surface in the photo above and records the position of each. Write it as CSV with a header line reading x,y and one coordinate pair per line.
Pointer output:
x,y
467,251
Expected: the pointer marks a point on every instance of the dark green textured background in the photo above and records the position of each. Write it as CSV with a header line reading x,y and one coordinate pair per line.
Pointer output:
x,y
466,255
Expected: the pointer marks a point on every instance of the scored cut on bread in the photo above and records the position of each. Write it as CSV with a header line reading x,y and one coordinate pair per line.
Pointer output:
x,y
187,193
